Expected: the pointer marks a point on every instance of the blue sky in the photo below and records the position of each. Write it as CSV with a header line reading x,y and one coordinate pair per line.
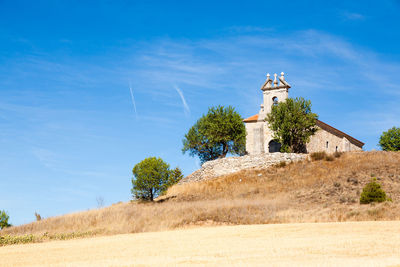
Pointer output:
x,y
69,131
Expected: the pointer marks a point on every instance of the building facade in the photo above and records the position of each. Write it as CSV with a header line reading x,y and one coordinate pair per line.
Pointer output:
x,y
259,137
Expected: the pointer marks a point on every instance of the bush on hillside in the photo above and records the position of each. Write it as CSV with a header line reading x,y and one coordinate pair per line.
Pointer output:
x,y
281,164
329,158
372,192
4,219
318,155
38,217
337,154
322,155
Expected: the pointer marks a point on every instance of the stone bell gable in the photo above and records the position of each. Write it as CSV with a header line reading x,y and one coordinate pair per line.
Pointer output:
x,y
273,92
259,137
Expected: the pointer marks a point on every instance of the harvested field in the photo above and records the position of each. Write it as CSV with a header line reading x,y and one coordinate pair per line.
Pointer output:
x,y
317,244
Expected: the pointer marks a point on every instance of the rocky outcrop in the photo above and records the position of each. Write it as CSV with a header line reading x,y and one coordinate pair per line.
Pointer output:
x,y
218,167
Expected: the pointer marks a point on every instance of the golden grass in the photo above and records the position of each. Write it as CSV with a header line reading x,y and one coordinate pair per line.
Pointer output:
x,y
309,244
308,191
319,181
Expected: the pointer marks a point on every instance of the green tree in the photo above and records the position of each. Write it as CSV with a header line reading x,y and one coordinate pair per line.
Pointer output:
x,y
152,177
292,123
4,219
175,176
390,140
214,135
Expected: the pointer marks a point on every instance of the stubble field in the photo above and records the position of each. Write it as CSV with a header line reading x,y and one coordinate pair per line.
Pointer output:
x,y
321,244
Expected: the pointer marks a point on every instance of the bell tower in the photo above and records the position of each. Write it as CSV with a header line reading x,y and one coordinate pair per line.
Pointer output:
x,y
273,93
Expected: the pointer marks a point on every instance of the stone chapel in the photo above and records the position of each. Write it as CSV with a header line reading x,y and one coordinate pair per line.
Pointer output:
x,y
259,136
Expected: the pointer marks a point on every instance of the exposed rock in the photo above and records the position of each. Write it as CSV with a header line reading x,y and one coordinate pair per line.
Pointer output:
x,y
218,167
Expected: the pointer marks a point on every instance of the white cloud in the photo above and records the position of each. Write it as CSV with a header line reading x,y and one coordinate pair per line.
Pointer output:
x,y
352,16
184,103
317,64
230,70
133,100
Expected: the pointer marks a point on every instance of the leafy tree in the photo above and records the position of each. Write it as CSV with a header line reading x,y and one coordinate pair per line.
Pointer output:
x,y
175,176
390,140
4,219
292,123
214,135
152,177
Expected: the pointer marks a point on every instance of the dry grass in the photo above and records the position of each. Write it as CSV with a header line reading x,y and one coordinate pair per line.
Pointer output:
x,y
308,191
311,182
141,217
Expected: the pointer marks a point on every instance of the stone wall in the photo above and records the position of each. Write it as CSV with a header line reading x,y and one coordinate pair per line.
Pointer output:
x,y
218,167
254,138
322,140
330,143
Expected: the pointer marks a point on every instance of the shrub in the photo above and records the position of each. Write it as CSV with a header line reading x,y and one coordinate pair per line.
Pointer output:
x,y
318,155
372,192
337,154
329,158
38,217
4,219
323,156
281,164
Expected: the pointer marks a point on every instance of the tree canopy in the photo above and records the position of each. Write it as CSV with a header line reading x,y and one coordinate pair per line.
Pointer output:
x,y
214,135
292,123
390,140
152,177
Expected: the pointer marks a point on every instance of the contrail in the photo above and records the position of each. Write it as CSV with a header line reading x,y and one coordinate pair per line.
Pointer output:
x,y
133,100
185,105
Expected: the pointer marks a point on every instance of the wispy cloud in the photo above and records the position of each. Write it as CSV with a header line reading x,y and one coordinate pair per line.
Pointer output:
x,y
317,64
186,108
46,157
313,59
133,100
352,16
248,29
59,163
229,70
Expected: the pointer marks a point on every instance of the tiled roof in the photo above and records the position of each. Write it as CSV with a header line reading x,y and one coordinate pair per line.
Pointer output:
x,y
322,125
251,119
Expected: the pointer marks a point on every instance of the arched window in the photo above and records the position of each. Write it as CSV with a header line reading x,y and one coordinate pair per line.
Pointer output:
x,y
274,146
275,101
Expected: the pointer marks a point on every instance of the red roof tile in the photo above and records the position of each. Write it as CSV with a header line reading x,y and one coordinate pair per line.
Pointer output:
x,y
251,119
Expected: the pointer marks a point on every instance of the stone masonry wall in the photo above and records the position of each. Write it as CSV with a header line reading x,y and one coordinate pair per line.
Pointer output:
x,y
218,167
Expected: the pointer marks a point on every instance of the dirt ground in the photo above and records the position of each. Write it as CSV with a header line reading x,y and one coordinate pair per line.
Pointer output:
x,y
322,244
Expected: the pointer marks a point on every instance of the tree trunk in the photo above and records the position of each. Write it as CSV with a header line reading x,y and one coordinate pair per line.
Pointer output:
x,y
224,151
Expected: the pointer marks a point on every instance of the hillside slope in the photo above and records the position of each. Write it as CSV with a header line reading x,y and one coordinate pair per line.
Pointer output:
x,y
305,191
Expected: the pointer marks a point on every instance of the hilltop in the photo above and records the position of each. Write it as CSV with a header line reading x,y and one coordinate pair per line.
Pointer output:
x,y
302,191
